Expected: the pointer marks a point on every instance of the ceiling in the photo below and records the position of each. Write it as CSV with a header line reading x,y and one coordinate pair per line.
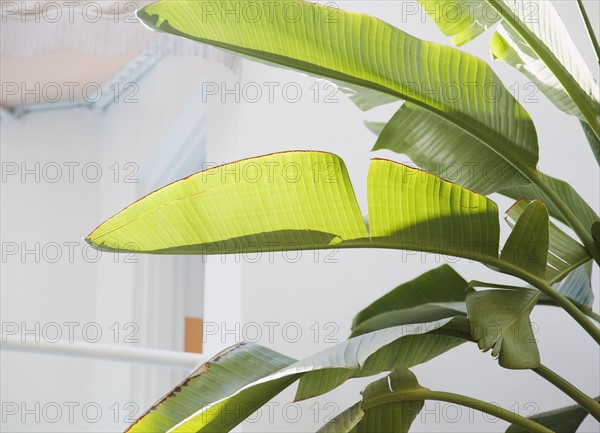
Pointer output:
x,y
47,45
50,76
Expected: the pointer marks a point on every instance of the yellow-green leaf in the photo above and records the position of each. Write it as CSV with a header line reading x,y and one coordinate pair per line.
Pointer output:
x,y
231,369
415,210
303,200
283,201
364,51
464,20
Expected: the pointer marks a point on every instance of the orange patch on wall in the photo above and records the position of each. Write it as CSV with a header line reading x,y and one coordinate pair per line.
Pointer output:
x,y
193,334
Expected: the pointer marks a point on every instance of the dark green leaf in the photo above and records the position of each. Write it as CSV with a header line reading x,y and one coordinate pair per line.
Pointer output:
x,y
438,146
527,245
500,321
568,195
564,255
369,53
431,293
564,420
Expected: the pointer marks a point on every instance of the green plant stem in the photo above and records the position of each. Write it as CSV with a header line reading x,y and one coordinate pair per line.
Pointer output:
x,y
547,56
583,400
461,400
590,30
592,314
585,310
537,282
552,293
583,233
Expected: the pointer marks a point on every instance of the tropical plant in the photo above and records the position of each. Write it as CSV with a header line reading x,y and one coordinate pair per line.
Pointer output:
x,y
375,63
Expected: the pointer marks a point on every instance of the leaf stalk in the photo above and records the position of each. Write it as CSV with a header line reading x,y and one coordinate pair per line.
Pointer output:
x,y
575,92
583,234
588,403
462,400
590,30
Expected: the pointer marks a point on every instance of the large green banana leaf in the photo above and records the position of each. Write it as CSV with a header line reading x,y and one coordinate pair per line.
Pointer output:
x,y
364,51
304,200
225,373
344,422
564,420
474,166
290,200
415,210
500,321
353,355
528,243
568,261
380,409
249,375
578,286
533,38
463,20
596,233
441,293
387,60
422,342
500,318
543,50
506,45
438,146
568,195
434,295
418,314
564,255
592,140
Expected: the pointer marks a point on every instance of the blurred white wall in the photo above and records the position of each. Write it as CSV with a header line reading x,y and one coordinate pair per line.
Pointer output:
x,y
83,166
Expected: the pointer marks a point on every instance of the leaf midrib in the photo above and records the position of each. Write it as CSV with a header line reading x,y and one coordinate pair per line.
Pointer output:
x,y
519,316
